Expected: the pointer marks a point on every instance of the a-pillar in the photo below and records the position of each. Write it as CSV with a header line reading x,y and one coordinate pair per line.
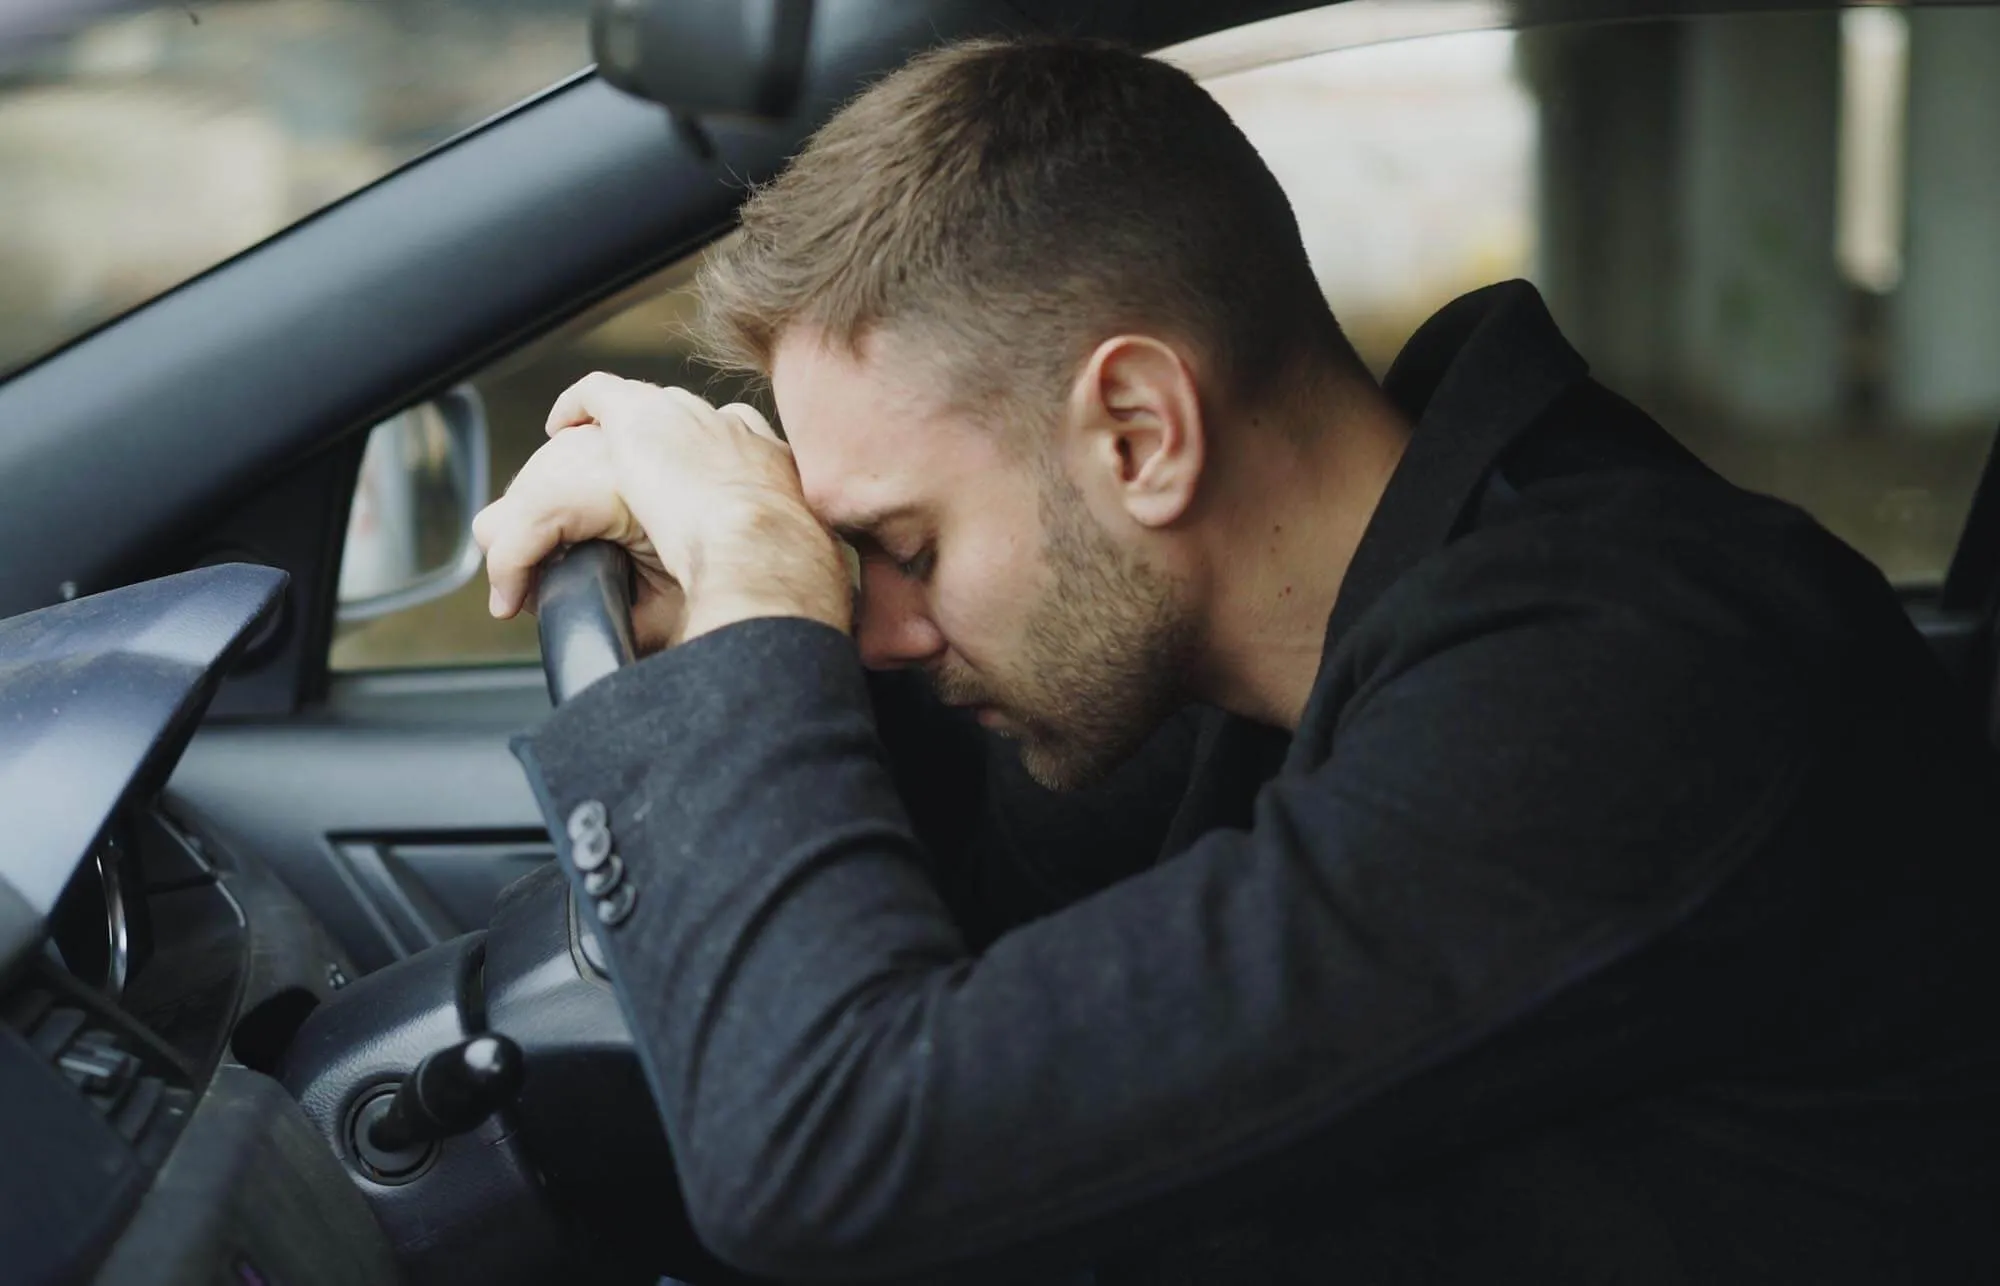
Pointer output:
x,y
1944,331
1761,306
1608,99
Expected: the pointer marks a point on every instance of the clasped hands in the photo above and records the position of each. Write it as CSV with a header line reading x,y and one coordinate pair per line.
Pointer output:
x,y
705,499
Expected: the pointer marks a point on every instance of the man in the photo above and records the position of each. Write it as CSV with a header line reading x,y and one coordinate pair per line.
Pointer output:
x,y
1448,834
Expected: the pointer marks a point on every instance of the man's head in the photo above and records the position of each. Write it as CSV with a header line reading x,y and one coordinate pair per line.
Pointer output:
x,y
1021,304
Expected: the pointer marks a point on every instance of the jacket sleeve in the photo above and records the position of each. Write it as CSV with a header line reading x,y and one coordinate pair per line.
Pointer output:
x,y
1374,970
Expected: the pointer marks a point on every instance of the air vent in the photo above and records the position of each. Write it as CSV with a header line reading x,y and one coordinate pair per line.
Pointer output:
x,y
142,1105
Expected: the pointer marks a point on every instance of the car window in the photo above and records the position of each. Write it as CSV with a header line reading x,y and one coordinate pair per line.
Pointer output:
x,y
642,334
141,144
1773,232
1777,233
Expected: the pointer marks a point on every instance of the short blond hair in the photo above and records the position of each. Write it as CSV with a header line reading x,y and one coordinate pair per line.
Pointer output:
x,y
1012,203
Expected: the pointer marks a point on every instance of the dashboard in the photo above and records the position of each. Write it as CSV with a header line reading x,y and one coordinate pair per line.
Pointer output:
x,y
148,979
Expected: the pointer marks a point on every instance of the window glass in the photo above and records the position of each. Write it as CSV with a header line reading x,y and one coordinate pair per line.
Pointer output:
x,y
1777,233
142,144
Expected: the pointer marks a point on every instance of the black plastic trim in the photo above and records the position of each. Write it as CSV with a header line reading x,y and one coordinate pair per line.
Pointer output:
x,y
416,760
251,1194
99,697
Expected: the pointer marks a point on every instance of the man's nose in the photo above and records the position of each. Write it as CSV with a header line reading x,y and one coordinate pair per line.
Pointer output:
x,y
893,627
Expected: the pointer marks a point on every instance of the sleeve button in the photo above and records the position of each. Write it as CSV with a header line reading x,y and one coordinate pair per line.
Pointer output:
x,y
611,911
605,878
591,850
587,817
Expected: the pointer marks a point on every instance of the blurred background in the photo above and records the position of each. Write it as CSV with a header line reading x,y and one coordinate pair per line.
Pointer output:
x,y
1774,232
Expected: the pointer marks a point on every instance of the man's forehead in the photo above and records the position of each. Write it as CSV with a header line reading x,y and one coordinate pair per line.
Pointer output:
x,y
867,439
862,501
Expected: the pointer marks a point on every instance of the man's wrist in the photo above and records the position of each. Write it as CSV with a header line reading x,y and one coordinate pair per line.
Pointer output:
x,y
712,613
768,564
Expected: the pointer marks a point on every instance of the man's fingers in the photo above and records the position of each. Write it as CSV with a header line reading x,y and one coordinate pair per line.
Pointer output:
x,y
512,563
699,409
589,401
567,492
733,416
482,526
619,405
695,403
752,419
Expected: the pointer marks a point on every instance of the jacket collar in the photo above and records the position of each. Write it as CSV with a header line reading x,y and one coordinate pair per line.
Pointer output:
x,y
1473,378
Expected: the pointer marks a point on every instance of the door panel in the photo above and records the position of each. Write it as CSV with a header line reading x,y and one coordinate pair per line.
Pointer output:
x,y
395,810
458,885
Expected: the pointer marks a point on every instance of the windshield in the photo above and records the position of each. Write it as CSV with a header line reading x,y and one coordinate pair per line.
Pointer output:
x,y
142,144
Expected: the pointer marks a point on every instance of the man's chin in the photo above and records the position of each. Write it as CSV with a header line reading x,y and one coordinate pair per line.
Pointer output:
x,y
1050,772
1054,765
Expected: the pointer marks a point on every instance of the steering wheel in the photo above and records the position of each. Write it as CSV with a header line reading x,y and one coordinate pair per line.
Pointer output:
x,y
584,606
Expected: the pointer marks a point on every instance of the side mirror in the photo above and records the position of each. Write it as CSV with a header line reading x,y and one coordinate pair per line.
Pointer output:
x,y
741,58
424,474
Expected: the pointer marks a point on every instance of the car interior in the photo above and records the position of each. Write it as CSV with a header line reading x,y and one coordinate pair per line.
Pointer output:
x,y
290,988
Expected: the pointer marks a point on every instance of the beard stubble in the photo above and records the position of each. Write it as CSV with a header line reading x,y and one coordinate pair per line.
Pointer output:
x,y
1106,654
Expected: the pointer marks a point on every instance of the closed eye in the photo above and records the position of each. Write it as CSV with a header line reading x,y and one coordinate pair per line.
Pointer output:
x,y
869,547
918,566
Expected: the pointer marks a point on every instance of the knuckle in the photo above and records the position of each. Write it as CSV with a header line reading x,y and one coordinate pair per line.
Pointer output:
x,y
688,398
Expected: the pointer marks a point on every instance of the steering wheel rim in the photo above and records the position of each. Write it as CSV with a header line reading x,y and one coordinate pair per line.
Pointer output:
x,y
583,606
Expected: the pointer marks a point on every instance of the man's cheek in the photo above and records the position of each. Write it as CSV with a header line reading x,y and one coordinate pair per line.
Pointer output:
x,y
965,629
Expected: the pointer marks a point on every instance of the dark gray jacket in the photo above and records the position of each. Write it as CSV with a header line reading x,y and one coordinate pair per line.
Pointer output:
x,y
1618,913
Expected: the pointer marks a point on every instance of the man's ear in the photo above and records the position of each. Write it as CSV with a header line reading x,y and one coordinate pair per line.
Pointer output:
x,y
1136,415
